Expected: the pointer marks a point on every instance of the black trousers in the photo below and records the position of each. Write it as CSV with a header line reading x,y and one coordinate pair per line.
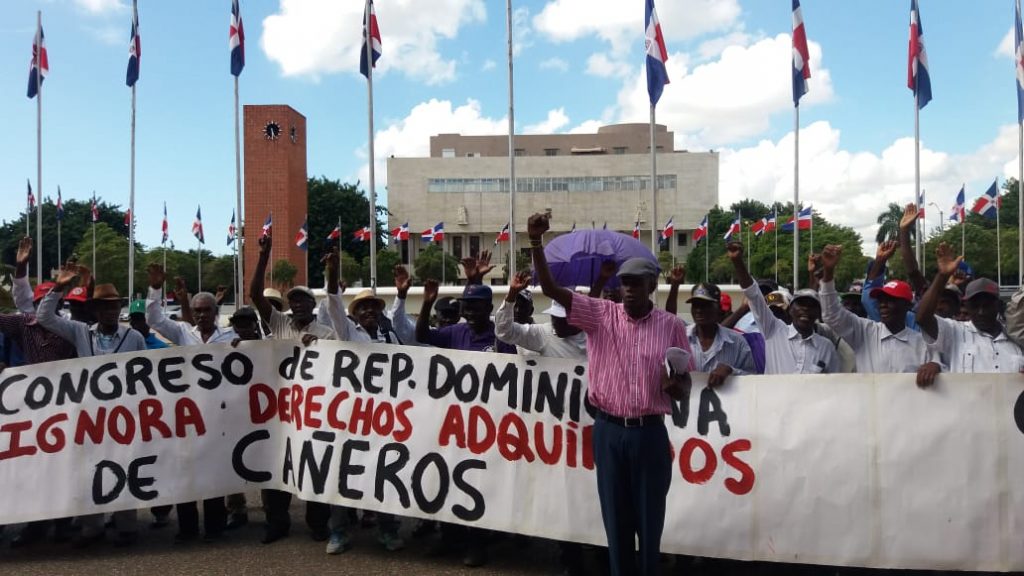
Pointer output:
x,y
634,471
215,516
276,503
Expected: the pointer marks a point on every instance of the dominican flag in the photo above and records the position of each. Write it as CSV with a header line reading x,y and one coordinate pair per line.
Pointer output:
x,y
657,55
302,237
374,34
427,235
803,219
758,228
95,210
920,205
197,227
801,58
770,223
502,235
988,203
636,230
918,79
60,206
701,231
163,226
959,213
335,234
31,197
134,50
363,234
669,230
236,40
435,234
734,229
40,65
268,226
401,233
128,218
1019,64
232,231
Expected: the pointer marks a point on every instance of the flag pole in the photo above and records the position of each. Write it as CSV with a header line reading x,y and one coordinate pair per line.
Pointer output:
x,y
511,156
796,197
654,188
340,277
60,261
999,248
239,271
199,261
922,229
917,168
775,216
1020,205
443,263
707,243
131,188
39,145
367,32
91,217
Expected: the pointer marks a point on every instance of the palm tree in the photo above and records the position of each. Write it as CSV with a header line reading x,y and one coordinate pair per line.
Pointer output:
x,y
889,224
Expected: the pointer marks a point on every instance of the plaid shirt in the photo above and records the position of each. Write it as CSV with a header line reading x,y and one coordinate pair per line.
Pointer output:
x,y
37,343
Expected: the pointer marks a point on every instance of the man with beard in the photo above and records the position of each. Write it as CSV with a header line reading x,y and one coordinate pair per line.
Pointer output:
x,y
790,348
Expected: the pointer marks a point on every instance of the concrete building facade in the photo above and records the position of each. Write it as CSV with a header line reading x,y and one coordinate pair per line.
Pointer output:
x,y
586,180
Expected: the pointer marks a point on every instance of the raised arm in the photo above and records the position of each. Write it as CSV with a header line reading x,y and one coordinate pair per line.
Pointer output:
x,y
833,313
342,324
537,225
529,336
173,331
256,284
766,321
404,326
476,267
946,264
423,321
914,275
676,277
812,268
874,279
184,302
47,313
21,291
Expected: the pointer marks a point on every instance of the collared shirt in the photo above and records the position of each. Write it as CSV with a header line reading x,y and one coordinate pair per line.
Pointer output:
x,y
626,356
968,350
37,344
283,328
404,329
178,332
729,348
461,337
88,341
878,350
538,338
785,350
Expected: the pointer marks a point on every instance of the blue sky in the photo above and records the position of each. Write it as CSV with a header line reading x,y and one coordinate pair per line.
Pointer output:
x,y
578,65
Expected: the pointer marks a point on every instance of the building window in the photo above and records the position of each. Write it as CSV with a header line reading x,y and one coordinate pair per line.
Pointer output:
x,y
448,153
520,151
681,239
457,247
551,151
474,246
620,149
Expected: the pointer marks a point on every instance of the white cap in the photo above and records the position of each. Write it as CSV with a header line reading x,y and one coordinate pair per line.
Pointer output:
x,y
556,310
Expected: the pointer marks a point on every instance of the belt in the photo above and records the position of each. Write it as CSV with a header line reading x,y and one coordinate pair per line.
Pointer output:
x,y
635,422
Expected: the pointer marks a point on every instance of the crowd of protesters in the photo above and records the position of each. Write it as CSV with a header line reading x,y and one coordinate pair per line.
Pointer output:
x,y
954,324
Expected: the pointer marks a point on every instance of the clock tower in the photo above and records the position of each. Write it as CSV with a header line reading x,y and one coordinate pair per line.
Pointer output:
x,y
275,184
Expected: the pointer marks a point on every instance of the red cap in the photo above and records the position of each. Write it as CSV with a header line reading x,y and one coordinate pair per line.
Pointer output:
x,y
77,294
42,290
896,289
725,301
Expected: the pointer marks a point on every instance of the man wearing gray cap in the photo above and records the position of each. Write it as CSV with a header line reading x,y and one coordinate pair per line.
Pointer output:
x,y
629,386
981,343
793,348
718,351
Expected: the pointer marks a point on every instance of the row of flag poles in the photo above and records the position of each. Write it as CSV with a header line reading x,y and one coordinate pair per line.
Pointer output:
x,y
918,80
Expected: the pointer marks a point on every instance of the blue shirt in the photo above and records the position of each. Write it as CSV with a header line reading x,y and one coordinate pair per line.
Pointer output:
x,y
154,343
461,337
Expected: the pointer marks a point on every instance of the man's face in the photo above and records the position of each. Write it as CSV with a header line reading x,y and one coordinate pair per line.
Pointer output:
x,y
477,313
704,312
562,327
983,311
302,308
523,311
367,315
246,328
204,312
892,309
81,312
138,322
107,312
948,306
636,292
447,317
804,312
780,313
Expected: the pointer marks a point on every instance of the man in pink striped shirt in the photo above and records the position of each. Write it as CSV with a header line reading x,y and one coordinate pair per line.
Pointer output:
x,y
632,391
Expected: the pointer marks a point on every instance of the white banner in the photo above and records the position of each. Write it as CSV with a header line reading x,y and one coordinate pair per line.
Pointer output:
x,y
841,469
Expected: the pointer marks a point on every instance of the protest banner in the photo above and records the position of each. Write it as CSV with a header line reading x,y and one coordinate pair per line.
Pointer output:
x,y
855,470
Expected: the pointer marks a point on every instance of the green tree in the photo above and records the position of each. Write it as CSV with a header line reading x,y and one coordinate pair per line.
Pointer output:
x,y
386,262
112,259
219,271
889,224
284,273
351,269
665,262
330,200
429,261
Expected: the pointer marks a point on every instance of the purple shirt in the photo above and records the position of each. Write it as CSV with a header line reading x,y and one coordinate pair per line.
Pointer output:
x,y
461,337
626,356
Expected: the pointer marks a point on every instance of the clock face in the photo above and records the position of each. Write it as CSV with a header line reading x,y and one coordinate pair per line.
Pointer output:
x,y
272,131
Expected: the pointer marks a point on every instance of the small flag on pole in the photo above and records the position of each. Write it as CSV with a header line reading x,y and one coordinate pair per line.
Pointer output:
x,y
232,231
197,226
31,197
758,227
918,79
701,231
958,212
164,227
920,205
439,232
60,206
1019,64
302,237
134,50
335,234
401,233
669,230
770,223
363,234
801,57
268,226
236,40
375,46
657,55
734,228
40,65
502,235
95,210
128,218
636,230
803,221
988,203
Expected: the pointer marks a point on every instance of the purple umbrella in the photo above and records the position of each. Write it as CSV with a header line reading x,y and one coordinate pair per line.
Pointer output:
x,y
575,258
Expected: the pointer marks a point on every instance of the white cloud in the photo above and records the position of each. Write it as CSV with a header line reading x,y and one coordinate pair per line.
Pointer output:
x,y
1006,46
555,63
488,65
600,64
852,188
101,6
730,99
555,121
620,23
522,32
713,48
315,37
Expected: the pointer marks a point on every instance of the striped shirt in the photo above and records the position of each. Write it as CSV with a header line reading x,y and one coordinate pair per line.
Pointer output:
x,y
626,356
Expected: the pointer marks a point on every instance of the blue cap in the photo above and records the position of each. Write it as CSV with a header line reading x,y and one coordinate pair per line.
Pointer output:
x,y
477,292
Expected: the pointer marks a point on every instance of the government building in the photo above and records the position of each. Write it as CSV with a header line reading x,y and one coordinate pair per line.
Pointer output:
x,y
582,180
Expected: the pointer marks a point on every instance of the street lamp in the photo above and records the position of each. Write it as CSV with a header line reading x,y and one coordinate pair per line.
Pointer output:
x,y
942,221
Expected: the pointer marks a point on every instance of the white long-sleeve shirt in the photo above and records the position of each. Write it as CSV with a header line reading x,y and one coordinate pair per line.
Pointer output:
x,y
540,338
178,332
968,350
21,291
348,329
785,350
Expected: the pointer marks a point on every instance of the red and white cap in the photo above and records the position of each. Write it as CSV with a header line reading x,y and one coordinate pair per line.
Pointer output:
x,y
895,289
